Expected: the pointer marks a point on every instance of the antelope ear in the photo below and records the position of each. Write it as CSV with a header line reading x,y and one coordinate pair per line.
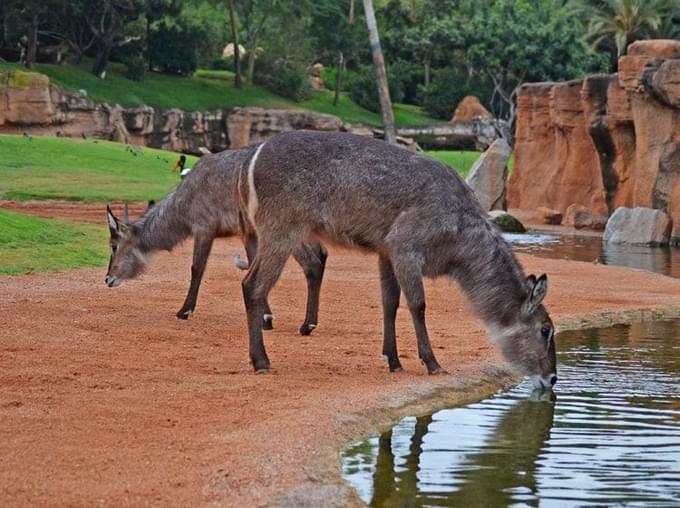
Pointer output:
x,y
114,227
531,282
537,293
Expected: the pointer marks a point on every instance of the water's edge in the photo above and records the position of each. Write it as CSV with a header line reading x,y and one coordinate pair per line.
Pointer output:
x,y
324,485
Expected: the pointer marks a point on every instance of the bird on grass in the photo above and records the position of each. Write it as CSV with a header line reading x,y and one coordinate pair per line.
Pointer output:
x,y
28,137
179,166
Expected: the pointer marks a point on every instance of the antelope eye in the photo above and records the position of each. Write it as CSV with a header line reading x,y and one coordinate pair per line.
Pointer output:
x,y
545,332
114,248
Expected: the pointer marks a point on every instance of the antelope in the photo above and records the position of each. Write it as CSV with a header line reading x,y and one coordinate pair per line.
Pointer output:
x,y
203,206
416,214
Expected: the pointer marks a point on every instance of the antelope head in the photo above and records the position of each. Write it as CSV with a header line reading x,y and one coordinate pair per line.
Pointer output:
x,y
127,260
529,342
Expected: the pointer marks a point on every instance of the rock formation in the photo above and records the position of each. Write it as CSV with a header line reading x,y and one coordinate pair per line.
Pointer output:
x,y
488,176
468,109
29,102
603,142
638,226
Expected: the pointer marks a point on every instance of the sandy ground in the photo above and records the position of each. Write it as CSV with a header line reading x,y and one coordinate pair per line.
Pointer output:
x,y
106,398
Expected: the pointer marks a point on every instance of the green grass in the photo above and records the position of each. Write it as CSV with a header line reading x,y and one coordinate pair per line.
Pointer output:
x,y
79,170
203,92
30,244
460,161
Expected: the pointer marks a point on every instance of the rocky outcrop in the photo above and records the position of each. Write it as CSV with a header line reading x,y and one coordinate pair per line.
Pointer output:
x,y
29,103
603,142
638,226
581,217
549,216
252,125
488,176
468,109
506,222
477,134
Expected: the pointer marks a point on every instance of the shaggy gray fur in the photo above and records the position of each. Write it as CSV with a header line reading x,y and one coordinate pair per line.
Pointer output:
x,y
203,206
415,213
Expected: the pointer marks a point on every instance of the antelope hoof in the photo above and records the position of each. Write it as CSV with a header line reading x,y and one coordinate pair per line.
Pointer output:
x,y
262,371
184,314
306,329
261,366
438,371
398,368
267,324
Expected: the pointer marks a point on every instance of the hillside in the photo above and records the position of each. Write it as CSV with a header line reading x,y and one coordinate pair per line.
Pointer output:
x,y
203,92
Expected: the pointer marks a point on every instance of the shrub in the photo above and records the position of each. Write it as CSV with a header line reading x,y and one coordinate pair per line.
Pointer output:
x,y
448,86
284,78
364,91
172,49
135,67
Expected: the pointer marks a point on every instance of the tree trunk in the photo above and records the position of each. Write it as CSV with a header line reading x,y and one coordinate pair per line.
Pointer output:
x,y
351,12
101,61
427,72
32,46
237,52
380,74
251,60
338,77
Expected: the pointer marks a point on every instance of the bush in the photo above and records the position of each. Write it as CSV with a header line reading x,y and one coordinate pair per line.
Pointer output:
x,y
287,79
135,67
172,49
411,78
348,77
448,86
364,91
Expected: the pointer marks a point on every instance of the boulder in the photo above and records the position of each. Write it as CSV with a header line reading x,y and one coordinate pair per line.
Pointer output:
x,y
506,222
638,226
228,50
25,98
580,217
468,109
488,176
549,216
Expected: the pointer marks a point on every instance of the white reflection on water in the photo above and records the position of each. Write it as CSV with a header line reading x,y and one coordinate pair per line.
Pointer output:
x,y
611,437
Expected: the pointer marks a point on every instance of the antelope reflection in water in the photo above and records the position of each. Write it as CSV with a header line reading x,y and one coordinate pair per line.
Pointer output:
x,y
500,472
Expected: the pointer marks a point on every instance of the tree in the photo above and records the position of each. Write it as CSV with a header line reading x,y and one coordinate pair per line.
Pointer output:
x,y
380,73
108,21
624,21
515,41
237,45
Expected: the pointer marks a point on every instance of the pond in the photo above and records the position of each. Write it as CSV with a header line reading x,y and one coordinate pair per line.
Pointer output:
x,y
663,260
610,435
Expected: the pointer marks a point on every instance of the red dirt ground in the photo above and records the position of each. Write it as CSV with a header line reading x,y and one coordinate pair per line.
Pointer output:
x,y
106,398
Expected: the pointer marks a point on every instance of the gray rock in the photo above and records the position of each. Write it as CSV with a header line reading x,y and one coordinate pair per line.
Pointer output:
x,y
581,217
638,226
506,222
488,176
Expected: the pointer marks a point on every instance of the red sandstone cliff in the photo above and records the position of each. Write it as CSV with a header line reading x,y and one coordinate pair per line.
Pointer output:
x,y
605,141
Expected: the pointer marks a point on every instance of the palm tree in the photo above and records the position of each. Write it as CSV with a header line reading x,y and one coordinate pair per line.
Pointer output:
x,y
380,74
623,20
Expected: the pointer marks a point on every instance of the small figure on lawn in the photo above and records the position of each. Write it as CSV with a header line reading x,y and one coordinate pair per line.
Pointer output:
x,y
179,166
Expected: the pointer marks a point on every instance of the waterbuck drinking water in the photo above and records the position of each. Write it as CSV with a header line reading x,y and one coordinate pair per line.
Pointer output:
x,y
203,206
415,213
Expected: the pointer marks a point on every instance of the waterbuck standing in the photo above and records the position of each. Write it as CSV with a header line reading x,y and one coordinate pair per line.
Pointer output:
x,y
415,213
203,206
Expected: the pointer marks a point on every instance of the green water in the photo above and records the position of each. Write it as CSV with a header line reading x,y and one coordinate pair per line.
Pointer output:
x,y
609,436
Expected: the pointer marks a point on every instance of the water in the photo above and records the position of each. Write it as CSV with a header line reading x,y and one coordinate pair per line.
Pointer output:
x,y
663,260
611,437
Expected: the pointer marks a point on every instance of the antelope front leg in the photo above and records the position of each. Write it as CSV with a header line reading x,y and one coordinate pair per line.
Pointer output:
x,y
390,300
312,259
411,282
250,244
202,247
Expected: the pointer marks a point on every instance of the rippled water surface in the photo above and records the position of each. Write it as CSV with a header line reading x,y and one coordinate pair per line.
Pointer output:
x,y
609,437
664,260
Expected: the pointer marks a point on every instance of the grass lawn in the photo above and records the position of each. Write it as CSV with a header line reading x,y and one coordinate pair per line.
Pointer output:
x,y
80,170
208,89
460,161
31,244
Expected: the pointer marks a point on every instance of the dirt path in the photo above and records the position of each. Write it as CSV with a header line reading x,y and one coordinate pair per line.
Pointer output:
x,y
71,210
106,398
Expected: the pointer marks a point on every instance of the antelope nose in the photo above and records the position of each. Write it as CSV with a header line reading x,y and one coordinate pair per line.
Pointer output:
x,y
553,379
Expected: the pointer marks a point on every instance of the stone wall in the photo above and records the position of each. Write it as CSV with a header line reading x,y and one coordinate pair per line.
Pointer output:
x,y
605,141
28,103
